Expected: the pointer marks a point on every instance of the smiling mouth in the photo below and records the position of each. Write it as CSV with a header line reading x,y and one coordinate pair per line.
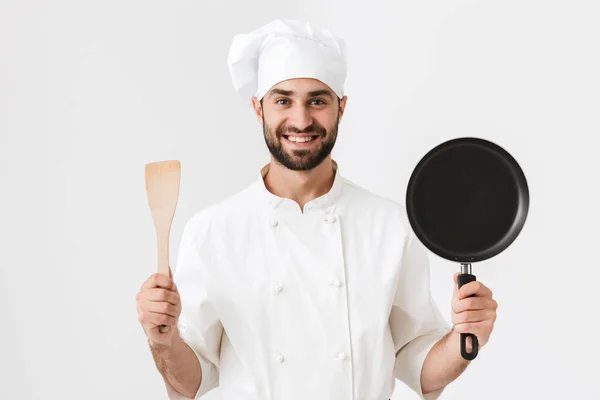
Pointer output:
x,y
300,138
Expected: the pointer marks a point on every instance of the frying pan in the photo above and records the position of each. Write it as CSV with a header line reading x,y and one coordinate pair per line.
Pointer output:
x,y
467,200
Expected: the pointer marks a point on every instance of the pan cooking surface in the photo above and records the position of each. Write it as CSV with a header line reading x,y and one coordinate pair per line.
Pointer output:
x,y
467,199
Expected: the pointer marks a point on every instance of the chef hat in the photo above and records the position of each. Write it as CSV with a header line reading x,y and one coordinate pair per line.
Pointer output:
x,y
286,49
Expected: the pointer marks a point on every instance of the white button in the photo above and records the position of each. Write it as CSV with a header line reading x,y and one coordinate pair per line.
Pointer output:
x,y
342,356
274,222
330,218
278,289
336,283
280,357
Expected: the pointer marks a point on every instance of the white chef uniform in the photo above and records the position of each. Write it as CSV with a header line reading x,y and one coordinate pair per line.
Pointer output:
x,y
331,302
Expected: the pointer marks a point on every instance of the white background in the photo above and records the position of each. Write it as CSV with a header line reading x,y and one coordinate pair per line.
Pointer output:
x,y
92,91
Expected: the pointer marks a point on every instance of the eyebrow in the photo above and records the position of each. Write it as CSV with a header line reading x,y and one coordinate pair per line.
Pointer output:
x,y
321,92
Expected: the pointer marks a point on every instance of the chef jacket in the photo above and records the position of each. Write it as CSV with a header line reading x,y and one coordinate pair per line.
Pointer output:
x,y
330,302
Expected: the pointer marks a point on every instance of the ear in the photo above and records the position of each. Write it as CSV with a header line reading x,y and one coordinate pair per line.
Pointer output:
x,y
342,107
257,109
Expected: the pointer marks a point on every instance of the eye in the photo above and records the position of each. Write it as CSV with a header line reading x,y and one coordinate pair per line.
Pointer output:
x,y
282,102
319,102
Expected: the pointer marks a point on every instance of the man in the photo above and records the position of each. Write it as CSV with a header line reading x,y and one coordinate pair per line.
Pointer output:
x,y
303,285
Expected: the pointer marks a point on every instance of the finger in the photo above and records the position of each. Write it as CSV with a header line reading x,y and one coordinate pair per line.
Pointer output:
x,y
474,316
474,288
162,295
159,308
158,281
150,319
480,329
474,303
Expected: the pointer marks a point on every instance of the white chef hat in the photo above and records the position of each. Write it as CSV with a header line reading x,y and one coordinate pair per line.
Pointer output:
x,y
286,49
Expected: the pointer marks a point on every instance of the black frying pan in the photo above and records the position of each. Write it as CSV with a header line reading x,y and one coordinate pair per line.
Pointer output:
x,y
467,200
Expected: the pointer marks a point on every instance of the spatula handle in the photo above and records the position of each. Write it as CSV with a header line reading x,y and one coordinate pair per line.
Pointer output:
x,y
464,278
162,239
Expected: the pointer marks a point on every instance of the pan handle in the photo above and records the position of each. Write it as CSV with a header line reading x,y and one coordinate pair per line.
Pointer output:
x,y
464,278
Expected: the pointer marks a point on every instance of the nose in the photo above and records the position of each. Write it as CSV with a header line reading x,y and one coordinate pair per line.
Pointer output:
x,y
300,118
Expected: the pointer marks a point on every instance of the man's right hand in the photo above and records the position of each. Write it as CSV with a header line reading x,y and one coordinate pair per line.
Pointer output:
x,y
158,303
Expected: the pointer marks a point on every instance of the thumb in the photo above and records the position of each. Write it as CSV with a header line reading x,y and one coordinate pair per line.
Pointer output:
x,y
171,276
455,278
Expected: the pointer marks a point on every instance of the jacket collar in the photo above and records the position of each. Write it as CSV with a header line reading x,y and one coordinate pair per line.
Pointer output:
x,y
322,203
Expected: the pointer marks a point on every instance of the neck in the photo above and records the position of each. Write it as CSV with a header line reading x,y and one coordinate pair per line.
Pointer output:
x,y
300,186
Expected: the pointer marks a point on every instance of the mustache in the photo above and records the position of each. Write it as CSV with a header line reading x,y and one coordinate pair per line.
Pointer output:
x,y
312,128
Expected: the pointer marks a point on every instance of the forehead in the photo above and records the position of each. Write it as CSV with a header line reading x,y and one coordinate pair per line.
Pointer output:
x,y
301,86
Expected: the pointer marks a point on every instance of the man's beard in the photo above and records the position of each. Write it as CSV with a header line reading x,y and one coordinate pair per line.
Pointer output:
x,y
300,159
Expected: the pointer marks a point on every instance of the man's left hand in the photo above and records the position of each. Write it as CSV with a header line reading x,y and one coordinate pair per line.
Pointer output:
x,y
475,314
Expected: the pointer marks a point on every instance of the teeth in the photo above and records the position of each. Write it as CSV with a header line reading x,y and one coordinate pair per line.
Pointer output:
x,y
300,139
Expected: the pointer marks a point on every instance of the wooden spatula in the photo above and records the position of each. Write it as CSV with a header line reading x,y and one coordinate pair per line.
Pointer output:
x,y
162,189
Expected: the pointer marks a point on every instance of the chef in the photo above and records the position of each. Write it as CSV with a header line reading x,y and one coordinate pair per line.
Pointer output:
x,y
303,285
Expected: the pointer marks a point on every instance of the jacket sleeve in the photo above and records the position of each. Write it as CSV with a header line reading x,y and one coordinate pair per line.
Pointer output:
x,y
198,323
415,320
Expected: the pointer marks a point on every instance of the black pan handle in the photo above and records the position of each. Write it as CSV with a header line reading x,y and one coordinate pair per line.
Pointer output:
x,y
463,279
